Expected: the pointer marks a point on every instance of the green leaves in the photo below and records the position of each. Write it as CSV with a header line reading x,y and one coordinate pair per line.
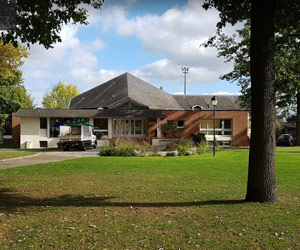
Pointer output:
x,y
41,21
60,95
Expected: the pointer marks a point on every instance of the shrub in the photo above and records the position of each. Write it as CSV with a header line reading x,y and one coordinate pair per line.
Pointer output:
x,y
184,150
201,148
198,138
169,130
126,151
108,151
186,143
172,145
172,153
148,147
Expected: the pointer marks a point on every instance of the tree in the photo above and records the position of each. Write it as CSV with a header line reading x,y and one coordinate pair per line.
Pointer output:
x,y
261,185
13,94
41,21
10,59
236,48
60,96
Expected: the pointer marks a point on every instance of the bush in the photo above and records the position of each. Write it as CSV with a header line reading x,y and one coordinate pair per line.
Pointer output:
x,y
108,151
201,148
126,151
172,145
198,138
172,153
148,147
185,150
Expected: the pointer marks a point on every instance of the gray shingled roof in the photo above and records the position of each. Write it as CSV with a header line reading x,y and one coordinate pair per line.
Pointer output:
x,y
88,113
121,89
225,102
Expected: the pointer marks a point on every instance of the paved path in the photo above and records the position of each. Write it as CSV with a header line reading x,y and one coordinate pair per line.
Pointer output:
x,y
44,157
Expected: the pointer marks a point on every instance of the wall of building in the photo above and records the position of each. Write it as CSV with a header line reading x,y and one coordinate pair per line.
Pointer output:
x,y
191,118
14,139
31,134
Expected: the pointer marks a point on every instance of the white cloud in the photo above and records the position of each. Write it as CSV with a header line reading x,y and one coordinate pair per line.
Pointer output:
x,y
176,36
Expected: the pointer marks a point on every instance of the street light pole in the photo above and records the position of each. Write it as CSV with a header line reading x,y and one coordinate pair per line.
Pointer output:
x,y
214,102
185,70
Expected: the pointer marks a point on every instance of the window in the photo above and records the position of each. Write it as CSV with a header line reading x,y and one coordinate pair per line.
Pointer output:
x,y
223,127
43,144
130,127
223,131
180,124
43,123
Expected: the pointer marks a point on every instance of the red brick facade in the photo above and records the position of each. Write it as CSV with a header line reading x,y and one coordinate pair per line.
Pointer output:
x,y
16,131
192,118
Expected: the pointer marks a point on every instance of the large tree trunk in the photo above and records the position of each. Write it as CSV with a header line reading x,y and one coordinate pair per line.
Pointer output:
x,y
261,174
298,120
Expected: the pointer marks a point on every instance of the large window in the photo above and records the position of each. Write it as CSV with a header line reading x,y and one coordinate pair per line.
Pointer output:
x,y
223,131
223,127
129,127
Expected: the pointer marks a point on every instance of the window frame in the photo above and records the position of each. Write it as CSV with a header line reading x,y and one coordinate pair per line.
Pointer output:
x,y
183,126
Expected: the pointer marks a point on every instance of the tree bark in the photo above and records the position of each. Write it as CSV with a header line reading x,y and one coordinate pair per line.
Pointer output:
x,y
261,174
298,120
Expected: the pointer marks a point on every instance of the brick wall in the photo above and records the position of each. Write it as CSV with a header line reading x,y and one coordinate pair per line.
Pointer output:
x,y
191,118
16,131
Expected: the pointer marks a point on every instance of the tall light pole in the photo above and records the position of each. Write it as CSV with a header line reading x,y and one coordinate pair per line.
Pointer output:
x,y
214,103
185,70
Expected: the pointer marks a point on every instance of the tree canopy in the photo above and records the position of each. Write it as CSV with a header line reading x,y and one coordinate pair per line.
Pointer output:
x,y
60,96
236,48
41,21
13,94
10,59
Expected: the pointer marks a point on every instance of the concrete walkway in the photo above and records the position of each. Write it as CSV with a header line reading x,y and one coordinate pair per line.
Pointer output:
x,y
45,157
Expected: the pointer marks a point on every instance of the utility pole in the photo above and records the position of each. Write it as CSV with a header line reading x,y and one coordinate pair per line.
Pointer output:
x,y
185,70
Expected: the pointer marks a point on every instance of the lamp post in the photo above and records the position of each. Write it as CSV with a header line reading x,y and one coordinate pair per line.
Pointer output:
x,y
214,103
185,70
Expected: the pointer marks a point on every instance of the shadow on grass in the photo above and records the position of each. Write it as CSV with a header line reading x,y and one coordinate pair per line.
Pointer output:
x,y
10,200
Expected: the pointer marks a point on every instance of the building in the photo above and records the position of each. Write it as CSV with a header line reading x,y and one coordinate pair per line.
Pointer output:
x,y
127,106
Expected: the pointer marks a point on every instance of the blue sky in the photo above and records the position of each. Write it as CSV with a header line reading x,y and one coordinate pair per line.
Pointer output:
x,y
149,39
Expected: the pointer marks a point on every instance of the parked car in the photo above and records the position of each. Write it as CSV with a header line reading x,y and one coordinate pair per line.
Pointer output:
x,y
285,140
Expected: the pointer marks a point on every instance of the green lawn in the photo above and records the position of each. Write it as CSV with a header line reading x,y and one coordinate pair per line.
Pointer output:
x,y
147,203
13,154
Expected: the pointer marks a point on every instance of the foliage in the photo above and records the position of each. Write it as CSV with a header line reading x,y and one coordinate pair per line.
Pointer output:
x,y
198,138
172,153
119,151
169,130
122,147
60,95
41,21
108,151
146,203
185,147
201,148
278,129
13,94
172,145
148,147
11,59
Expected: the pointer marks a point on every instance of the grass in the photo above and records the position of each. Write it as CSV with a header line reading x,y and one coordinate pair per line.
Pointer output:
x,y
147,203
288,149
8,155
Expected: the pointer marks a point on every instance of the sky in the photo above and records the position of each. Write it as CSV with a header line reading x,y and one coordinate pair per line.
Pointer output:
x,y
152,40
